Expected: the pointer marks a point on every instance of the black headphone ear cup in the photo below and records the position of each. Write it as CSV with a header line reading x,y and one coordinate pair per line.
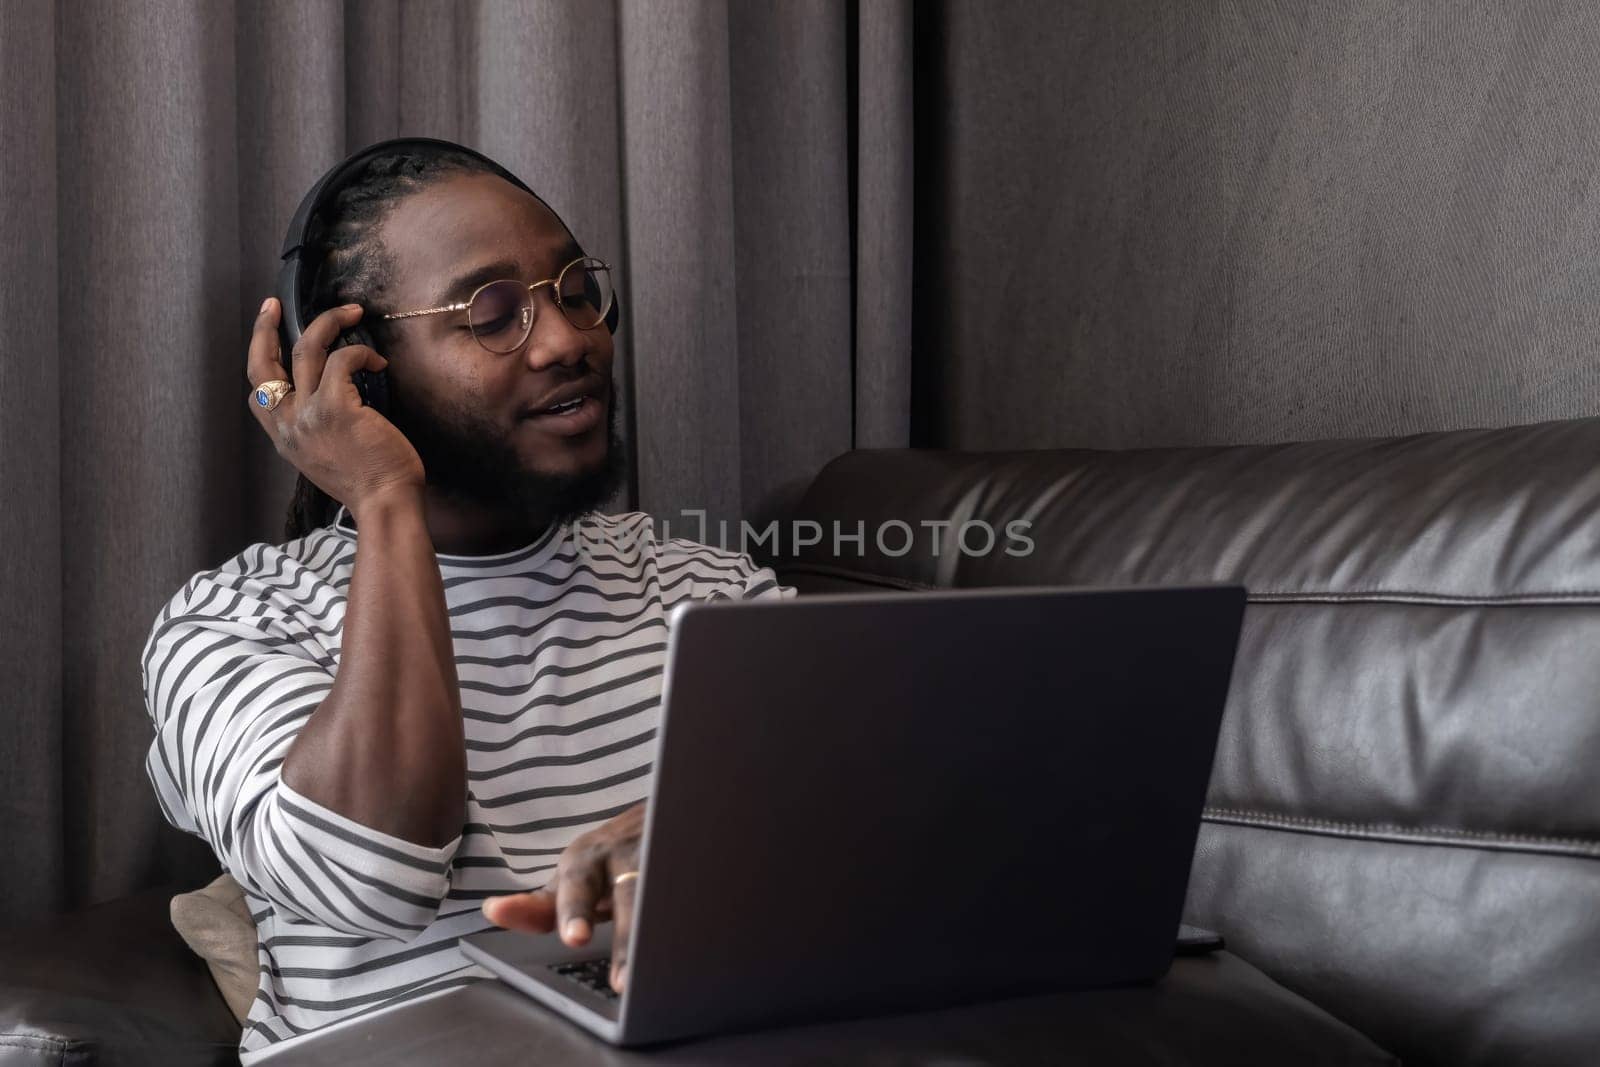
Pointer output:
x,y
372,385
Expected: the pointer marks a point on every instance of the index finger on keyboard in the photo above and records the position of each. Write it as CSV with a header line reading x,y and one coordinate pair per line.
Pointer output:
x,y
533,913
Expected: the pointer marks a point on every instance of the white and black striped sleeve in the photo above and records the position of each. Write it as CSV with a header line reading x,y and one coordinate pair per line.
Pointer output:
x,y
690,570
229,680
760,583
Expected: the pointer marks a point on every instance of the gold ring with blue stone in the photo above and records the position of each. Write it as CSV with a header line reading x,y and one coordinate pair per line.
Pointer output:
x,y
270,394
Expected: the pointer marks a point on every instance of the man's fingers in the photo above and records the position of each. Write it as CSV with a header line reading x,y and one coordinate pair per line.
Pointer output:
x,y
533,913
580,882
311,351
622,897
344,362
262,362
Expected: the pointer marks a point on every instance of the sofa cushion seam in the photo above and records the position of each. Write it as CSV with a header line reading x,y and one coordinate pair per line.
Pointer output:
x,y
1443,834
864,577
44,1041
1311,596
1464,599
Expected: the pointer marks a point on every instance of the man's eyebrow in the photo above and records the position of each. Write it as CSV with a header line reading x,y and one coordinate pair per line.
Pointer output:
x,y
462,286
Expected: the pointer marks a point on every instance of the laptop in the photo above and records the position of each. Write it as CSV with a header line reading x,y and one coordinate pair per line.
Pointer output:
x,y
866,804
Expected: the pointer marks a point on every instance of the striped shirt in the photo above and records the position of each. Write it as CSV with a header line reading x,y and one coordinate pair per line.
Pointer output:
x,y
559,651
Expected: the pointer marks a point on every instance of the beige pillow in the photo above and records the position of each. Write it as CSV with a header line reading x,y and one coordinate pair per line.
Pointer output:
x,y
215,922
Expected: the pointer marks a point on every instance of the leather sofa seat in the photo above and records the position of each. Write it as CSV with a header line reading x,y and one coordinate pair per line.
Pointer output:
x,y
1402,822
114,985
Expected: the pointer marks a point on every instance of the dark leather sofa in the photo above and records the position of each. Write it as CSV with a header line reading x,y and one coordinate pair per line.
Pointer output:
x,y
1403,822
1403,825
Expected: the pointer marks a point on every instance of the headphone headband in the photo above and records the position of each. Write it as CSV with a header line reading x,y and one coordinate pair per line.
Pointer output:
x,y
340,173
294,282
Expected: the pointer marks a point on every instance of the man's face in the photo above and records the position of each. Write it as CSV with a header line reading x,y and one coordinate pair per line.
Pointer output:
x,y
477,418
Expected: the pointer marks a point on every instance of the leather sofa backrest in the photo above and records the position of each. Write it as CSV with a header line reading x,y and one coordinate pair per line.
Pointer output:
x,y
1403,822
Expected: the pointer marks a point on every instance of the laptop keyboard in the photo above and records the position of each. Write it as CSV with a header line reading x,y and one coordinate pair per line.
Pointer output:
x,y
594,975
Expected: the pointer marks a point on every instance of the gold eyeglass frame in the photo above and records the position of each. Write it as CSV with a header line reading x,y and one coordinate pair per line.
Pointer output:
x,y
555,294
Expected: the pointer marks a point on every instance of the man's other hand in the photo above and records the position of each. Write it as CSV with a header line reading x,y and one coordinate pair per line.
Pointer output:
x,y
584,891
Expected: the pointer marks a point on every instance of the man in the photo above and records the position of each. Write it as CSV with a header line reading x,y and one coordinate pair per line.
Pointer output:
x,y
392,726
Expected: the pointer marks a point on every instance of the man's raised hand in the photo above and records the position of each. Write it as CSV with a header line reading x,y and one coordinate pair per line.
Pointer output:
x,y
350,452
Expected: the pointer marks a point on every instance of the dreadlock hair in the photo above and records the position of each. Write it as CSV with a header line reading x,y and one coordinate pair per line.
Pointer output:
x,y
353,267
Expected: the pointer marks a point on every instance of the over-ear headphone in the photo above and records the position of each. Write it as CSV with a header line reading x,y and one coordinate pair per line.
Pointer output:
x,y
297,276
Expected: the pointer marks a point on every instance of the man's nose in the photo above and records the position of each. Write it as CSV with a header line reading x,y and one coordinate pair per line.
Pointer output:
x,y
554,340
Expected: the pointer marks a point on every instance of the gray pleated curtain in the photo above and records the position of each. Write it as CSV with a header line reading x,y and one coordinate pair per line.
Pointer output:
x,y
1137,223
747,166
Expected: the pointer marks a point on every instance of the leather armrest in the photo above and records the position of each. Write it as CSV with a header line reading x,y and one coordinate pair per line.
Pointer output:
x,y
110,984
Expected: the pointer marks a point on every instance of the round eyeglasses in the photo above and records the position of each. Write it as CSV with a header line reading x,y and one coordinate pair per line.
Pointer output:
x,y
501,313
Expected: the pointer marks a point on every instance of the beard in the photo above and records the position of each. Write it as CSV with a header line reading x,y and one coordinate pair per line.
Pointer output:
x,y
466,456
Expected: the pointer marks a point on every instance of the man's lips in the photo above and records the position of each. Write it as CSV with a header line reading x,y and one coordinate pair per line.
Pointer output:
x,y
571,410
567,396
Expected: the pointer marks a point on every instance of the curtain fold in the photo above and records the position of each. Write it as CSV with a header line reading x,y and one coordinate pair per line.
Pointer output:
x,y
31,377
678,172
791,219
883,204
151,401
291,91
752,185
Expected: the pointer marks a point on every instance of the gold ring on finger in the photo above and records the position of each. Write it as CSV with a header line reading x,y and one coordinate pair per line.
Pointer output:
x,y
625,876
269,395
